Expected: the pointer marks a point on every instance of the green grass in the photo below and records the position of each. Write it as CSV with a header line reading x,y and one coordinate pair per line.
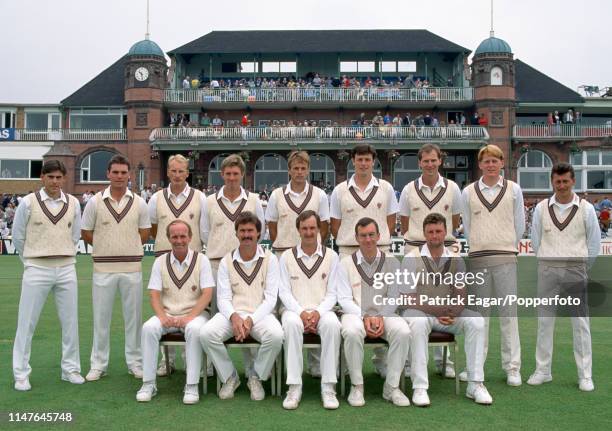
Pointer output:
x,y
110,403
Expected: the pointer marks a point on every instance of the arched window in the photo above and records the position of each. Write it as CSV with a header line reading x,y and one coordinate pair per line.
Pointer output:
x,y
593,170
270,172
534,171
214,171
497,75
322,171
377,169
405,169
94,166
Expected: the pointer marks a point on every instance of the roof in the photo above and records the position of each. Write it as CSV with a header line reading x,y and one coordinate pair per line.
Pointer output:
x,y
106,89
493,45
532,86
146,47
302,41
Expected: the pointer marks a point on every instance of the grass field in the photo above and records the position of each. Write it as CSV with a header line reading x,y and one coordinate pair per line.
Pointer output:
x,y
110,403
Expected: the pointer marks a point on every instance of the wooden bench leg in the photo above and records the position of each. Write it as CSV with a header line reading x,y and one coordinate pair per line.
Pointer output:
x,y
205,377
457,368
342,377
166,354
279,375
444,353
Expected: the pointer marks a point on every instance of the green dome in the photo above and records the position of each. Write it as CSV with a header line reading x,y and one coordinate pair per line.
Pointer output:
x,y
146,47
493,45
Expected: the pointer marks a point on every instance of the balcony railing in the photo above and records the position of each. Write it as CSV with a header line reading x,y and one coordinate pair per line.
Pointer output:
x,y
70,134
320,95
318,134
560,131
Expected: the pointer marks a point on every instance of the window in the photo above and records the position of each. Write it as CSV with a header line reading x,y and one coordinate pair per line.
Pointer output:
x,y
348,66
377,169
534,171
322,171
20,169
288,66
278,66
405,169
593,170
94,166
249,67
37,120
406,66
270,172
388,66
83,121
366,66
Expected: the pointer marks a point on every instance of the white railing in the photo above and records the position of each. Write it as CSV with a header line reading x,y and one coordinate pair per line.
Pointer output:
x,y
320,95
326,133
552,131
70,134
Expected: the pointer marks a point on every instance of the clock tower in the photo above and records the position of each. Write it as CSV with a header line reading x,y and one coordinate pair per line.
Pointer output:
x,y
145,80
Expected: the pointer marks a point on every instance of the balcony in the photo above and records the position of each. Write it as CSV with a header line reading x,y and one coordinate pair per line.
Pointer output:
x,y
66,135
560,132
265,138
289,97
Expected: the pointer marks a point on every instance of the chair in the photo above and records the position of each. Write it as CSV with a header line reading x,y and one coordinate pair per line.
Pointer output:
x,y
178,339
249,343
446,340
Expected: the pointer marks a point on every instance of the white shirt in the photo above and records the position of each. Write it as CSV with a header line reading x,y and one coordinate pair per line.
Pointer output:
x,y
404,208
22,215
285,284
179,199
224,290
335,210
89,214
490,193
259,212
272,210
409,265
591,223
206,278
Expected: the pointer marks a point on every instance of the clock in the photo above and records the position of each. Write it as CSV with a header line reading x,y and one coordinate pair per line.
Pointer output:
x,y
141,74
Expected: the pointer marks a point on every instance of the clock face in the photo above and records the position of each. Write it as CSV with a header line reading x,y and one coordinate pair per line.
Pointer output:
x,y
142,73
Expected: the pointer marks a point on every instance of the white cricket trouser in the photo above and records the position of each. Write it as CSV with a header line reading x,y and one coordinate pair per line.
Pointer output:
x,y
105,286
501,279
397,334
36,284
268,332
550,279
152,330
469,323
328,329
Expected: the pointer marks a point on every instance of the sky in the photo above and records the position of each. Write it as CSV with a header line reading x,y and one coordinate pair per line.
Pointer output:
x,y
50,48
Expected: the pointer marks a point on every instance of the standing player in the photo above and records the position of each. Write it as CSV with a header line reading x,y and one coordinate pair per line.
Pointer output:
x,y
566,239
287,203
494,222
46,230
430,193
178,201
116,222
362,195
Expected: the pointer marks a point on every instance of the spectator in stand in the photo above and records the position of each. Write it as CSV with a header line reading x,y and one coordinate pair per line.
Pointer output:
x,y
483,121
604,221
9,214
387,119
462,119
186,83
427,120
475,118
606,203
362,119
244,122
217,122
5,232
568,117
205,120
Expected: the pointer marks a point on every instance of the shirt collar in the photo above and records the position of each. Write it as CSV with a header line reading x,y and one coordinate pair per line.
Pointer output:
x,y
243,194
301,254
373,183
553,200
289,190
187,261
44,196
499,183
439,183
106,193
360,257
425,252
259,253
185,191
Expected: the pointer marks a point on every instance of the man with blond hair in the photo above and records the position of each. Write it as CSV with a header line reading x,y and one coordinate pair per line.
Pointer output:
x,y
180,290
178,201
493,223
